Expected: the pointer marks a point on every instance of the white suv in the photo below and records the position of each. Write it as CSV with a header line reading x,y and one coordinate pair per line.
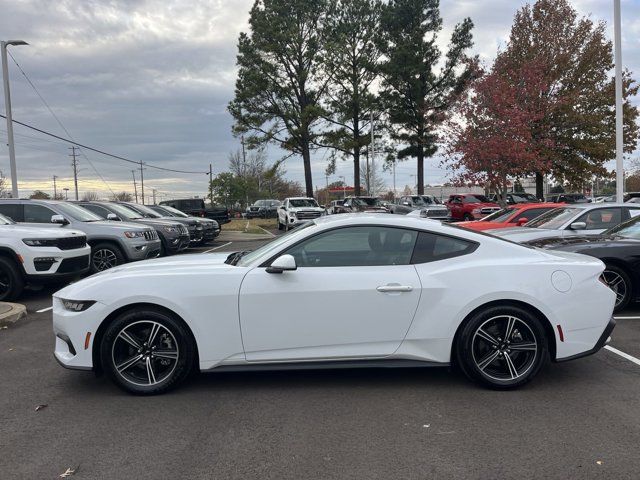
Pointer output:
x,y
38,255
298,210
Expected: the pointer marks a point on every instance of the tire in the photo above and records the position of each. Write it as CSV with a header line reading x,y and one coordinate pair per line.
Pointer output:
x,y
487,357
105,256
141,368
280,226
467,217
618,281
286,225
11,280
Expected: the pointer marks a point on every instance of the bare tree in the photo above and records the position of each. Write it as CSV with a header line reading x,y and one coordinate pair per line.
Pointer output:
x,y
90,196
4,192
122,197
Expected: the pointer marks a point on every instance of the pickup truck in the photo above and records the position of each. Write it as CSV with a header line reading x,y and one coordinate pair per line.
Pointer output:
x,y
470,206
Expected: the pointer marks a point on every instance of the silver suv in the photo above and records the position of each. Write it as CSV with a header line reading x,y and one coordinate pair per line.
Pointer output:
x,y
112,243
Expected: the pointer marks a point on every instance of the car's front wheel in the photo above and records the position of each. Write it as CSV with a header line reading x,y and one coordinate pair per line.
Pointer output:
x,y
105,256
147,351
502,347
11,280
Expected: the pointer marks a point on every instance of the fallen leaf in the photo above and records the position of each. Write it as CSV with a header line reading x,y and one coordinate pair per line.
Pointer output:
x,y
599,462
11,349
426,425
40,407
69,472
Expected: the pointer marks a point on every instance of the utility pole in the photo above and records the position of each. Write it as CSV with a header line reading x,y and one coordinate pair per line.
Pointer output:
x,y
394,181
154,195
210,184
619,123
135,187
74,163
7,107
142,181
55,191
372,171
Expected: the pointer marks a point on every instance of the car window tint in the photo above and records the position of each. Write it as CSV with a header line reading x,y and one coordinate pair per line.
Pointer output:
x,y
431,247
531,213
37,214
356,246
12,210
97,209
601,218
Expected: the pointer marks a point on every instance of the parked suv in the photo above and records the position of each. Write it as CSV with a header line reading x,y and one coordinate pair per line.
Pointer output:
x,y
174,236
428,206
263,209
211,229
194,228
38,256
297,210
470,206
568,198
361,204
516,197
195,207
111,243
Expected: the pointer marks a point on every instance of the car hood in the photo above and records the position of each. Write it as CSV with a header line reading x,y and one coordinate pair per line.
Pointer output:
x,y
313,209
146,270
483,204
583,241
122,226
36,232
480,225
153,222
524,234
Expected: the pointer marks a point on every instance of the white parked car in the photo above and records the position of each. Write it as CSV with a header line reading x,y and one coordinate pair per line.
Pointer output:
x,y
343,290
570,220
297,210
32,255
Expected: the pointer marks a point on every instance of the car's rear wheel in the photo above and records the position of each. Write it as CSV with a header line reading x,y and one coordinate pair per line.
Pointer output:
x,y
502,347
147,351
11,280
105,256
618,281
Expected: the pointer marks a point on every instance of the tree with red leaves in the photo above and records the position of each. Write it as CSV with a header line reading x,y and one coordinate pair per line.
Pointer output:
x,y
490,135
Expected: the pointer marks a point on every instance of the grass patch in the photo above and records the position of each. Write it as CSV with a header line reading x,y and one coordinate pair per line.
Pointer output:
x,y
252,225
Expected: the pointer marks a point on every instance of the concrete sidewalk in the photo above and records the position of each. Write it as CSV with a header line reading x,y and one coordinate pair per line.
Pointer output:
x,y
11,312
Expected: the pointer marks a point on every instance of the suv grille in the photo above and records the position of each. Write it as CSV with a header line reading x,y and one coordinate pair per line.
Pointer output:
x,y
184,231
306,215
440,212
70,243
488,210
150,235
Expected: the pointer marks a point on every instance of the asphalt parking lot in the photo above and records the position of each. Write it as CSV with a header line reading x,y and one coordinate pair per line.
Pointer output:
x,y
577,420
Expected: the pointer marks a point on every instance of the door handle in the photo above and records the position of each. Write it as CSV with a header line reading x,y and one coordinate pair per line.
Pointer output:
x,y
394,288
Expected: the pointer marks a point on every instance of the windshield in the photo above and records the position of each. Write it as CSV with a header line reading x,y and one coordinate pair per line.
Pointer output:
x,y
554,219
6,220
124,212
628,229
172,211
523,198
367,201
146,211
499,216
475,199
303,202
418,201
273,245
77,213
428,199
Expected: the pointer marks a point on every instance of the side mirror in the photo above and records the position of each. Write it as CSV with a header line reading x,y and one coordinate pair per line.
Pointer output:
x,y
113,217
407,204
578,226
59,219
522,221
345,204
283,263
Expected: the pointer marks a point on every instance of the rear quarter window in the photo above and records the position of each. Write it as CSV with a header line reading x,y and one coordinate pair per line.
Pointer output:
x,y
432,247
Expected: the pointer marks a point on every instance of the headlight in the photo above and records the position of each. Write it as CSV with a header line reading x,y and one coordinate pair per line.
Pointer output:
x,y
170,229
476,211
134,234
76,305
40,242
292,214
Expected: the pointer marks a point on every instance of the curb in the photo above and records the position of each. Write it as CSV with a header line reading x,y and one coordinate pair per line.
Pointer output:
x,y
12,313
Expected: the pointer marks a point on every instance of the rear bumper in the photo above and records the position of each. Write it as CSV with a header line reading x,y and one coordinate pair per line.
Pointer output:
x,y
602,341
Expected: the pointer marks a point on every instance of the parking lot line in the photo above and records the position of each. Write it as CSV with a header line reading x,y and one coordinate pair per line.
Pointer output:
x,y
216,248
623,355
44,310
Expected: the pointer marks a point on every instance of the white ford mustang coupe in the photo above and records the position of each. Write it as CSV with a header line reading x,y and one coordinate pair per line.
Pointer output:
x,y
340,291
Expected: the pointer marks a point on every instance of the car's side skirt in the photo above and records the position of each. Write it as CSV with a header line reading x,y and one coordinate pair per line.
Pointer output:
x,y
323,365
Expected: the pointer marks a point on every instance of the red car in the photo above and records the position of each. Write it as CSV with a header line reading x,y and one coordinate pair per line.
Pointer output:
x,y
470,206
512,216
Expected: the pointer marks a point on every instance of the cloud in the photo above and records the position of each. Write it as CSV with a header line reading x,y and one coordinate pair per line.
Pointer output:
x,y
150,80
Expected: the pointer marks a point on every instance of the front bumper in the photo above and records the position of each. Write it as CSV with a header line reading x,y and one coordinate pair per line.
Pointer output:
x,y
68,269
140,249
602,341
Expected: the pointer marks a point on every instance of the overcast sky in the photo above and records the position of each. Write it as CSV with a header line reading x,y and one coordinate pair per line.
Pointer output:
x,y
150,80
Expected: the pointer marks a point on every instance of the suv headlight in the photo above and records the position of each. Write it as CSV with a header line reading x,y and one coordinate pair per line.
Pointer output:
x,y
170,229
76,305
40,242
476,211
292,214
134,234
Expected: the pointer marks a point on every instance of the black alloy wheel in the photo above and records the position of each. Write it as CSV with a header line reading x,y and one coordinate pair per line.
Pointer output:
x,y
11,280
105,256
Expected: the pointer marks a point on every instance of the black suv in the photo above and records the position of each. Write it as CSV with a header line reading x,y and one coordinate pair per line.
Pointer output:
x,y
195,207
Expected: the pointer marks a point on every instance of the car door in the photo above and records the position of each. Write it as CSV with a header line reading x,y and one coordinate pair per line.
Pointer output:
x,y
597,220
353,295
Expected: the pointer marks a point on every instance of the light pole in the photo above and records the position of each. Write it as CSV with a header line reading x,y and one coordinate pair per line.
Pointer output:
x,y
344,186
66,193
7,105
619,140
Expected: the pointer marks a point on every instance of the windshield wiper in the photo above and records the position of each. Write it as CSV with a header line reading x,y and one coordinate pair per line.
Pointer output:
x,y
235,257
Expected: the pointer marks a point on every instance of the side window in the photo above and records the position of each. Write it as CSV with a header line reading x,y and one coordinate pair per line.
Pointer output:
x,y
356,246
37,214
97,209
432,247
12,210
602,218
